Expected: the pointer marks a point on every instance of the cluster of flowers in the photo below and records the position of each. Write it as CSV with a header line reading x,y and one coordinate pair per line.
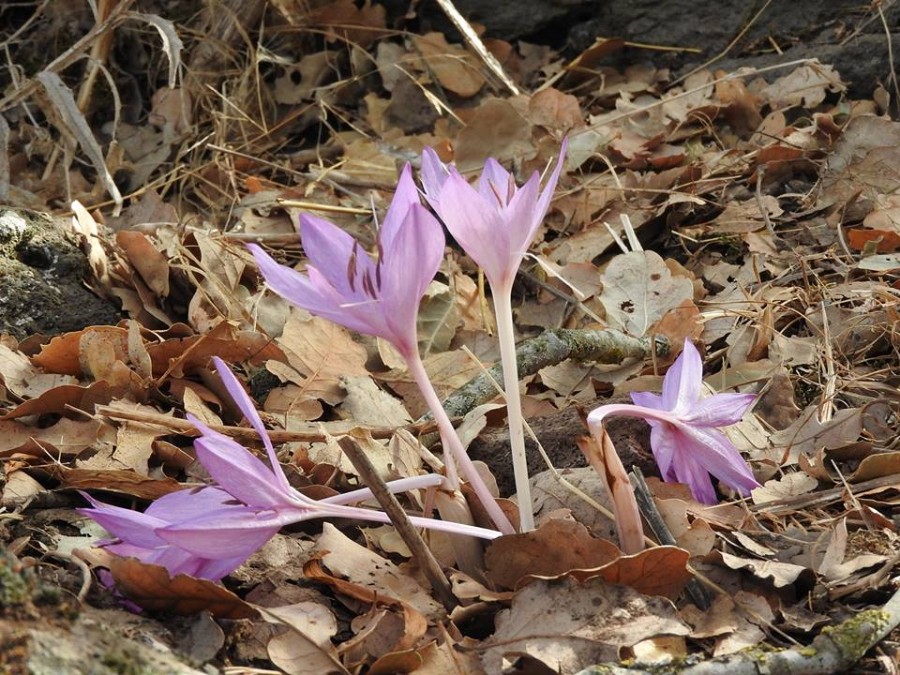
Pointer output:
x,y
208,532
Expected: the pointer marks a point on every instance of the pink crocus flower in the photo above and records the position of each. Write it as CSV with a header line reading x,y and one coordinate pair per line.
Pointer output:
x,y
495,222
210,531
684,437
344,284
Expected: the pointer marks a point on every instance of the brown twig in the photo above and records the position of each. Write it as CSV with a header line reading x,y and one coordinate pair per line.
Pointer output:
x,y
411,537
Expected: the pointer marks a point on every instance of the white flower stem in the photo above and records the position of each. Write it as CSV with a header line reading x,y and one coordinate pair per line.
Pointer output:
x,y
505,332
456,456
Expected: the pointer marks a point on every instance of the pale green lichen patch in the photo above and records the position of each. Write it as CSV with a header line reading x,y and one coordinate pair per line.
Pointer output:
x,y
853,637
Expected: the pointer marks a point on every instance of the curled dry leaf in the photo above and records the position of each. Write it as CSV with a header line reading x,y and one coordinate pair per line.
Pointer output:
x,y
152,588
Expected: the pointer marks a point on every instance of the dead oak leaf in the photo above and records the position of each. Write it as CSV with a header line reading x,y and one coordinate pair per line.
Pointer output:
x,y
319,354
556,547
452,65
152,588
639,289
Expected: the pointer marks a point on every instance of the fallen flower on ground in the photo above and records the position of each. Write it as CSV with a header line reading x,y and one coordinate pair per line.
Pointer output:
x,y
683,429
495,223
208,532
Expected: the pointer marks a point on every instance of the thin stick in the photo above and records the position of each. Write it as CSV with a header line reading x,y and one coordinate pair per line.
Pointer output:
x,y
475,42
411,537
694,588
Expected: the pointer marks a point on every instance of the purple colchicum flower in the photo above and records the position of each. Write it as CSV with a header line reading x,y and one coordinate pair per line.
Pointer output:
x,y
683,434
344,284
208,532
495,222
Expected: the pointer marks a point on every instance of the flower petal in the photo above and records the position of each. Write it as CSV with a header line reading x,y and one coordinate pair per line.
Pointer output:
x,y
688,469
229,535
405,196
238,472
409,266
720,458
647,399
434,173
719,410
496,184
477,226
543,202
329,249
130,526
681,385
522,218
246,406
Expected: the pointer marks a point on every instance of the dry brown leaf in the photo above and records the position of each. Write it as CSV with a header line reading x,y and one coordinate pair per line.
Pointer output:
x,y
781,574
319,354
454,67
114,480
67,437
639,289
661,570
556,547
497,128
568,625
554,110
146,259
59,399
376,576
152,588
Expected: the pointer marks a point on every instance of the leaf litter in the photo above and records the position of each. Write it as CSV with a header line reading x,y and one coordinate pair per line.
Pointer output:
x,y
752,212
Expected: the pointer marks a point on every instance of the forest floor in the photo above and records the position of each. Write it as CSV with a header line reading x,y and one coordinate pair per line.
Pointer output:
x,y
752,210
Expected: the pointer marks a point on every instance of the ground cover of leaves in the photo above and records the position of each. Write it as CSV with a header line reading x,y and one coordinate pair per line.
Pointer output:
x,y
752,212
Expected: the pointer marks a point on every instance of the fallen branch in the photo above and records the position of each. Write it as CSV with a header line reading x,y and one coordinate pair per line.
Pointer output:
x,y
549,349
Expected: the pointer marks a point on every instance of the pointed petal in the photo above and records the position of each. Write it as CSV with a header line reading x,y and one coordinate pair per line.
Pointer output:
x,y
496,184
647,399
358,311
543,202
689,470
405,196
190,503
133,527
719,410
522,218
681,385
720,458
477,227
245,404
409,266
328,249
290,284
236,470
434,173
233,535
664,445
